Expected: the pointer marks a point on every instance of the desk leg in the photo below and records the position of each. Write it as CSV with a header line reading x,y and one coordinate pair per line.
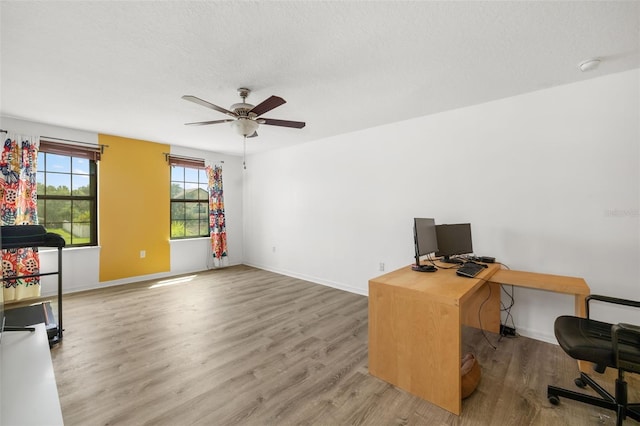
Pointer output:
x,y
580,308
581,311
415,344
481,309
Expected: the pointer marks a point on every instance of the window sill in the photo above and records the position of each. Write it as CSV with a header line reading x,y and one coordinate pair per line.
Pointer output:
x,y
180,240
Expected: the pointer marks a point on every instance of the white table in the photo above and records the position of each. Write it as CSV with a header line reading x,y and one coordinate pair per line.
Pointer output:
x,y
28,392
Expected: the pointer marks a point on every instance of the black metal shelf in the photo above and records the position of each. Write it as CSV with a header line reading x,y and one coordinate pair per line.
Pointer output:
x,y
34,236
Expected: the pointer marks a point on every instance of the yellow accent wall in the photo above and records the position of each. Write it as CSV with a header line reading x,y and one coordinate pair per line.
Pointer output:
x,y
133,208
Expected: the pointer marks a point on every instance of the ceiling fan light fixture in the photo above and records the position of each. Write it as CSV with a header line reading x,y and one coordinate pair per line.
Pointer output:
x,y
244,126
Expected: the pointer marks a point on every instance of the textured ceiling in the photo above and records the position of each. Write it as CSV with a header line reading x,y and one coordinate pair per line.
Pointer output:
x,y
121,67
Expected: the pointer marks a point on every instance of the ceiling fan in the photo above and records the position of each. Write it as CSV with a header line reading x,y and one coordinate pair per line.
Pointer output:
x,y
246,118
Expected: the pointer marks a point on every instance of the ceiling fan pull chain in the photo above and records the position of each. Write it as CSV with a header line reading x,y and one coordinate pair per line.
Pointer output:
x,y
244,155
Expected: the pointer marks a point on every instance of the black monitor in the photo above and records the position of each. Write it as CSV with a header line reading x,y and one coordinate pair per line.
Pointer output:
x,y
425,242
453,240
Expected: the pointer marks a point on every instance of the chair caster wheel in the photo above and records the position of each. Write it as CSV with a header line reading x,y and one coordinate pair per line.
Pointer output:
x,y
580,383
554,400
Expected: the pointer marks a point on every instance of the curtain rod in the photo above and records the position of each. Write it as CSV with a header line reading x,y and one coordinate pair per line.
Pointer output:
x,y
102,146
168,154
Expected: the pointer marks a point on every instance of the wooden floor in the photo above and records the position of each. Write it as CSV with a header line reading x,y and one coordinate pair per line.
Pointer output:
x,y
245,346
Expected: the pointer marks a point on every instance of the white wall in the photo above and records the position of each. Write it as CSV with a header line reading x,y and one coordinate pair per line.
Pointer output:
x,y
32,128
549,181
81,265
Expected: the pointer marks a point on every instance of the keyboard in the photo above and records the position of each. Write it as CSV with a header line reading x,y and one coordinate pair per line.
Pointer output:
x,y
470,269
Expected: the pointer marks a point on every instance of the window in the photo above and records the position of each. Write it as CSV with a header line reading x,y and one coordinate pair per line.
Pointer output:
x,y
189,202
67,202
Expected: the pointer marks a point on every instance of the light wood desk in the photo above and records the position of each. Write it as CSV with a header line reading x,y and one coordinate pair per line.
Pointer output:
x,y
415,321
556,283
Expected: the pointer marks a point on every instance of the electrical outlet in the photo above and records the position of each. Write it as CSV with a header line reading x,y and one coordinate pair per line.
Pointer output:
x,y
273,249
143,254
381,266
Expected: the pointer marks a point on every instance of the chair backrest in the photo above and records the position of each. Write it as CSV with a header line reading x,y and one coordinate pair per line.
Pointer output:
x,y
626,346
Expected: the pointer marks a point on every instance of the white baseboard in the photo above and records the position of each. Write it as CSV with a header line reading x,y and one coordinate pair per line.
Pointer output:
x,y
315,280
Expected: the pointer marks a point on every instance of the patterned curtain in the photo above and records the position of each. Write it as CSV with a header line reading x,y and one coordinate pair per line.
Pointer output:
x,y
217,222
18,193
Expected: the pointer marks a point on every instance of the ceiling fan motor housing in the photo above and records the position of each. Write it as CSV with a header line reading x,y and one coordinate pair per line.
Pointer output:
x,y
241,109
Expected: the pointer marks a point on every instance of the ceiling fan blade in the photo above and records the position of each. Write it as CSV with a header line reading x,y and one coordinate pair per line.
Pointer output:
x,y
204,123
204,103
283,123
253,135
267,105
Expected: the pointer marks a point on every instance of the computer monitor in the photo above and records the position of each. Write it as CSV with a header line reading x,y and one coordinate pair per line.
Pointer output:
x,y
453,240
425,242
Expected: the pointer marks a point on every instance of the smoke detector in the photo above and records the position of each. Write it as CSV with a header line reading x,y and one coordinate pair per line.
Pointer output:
x,y
589,64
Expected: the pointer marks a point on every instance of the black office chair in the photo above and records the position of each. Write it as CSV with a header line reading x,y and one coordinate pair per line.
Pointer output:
x,y
605,345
